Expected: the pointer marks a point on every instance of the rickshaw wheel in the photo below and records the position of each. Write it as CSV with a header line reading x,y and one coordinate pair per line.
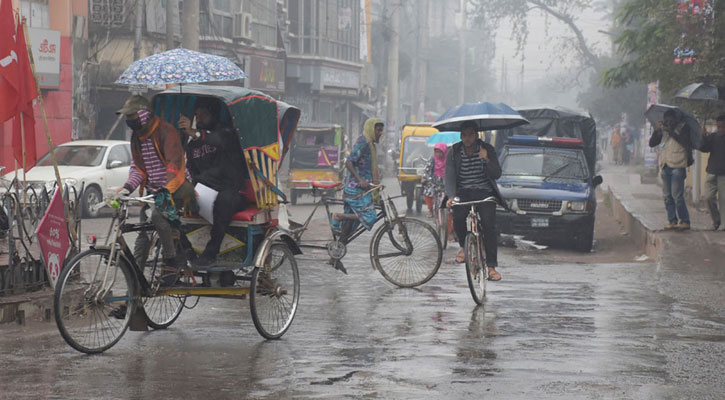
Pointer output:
x,y
89,318
275,292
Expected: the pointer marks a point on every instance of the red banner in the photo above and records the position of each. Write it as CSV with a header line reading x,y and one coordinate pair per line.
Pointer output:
x,y
54,238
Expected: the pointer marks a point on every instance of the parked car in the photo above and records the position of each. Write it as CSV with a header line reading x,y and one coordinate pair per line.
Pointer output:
x,y
550,190
94,165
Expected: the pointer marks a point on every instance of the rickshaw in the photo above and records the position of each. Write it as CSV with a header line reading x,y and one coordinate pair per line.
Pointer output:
x,y
102,291
414,155
316,156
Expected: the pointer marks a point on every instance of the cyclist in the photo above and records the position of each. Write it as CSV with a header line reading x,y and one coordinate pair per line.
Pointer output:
x,y
363,167
472,168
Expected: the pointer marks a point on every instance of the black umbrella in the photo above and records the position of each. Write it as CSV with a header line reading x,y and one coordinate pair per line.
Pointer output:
x,y
699,91
656,113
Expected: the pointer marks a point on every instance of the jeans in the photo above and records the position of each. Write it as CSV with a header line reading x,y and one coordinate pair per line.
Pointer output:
x,y
715,197
166,236
487,215
227,203
673,189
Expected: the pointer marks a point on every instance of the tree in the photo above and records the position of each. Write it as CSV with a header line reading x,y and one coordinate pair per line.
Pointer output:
x,y
651,32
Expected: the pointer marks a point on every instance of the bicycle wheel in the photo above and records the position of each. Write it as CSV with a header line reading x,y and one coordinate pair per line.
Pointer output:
x,y
92,317
475,272
406,263
275,292
161,311
442,226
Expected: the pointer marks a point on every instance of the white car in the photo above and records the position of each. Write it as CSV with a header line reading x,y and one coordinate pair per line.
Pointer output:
x,y
95,165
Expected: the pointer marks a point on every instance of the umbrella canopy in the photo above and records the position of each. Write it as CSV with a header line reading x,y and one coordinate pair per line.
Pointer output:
x,y
488,116
448,138
699,91
180,66
656,113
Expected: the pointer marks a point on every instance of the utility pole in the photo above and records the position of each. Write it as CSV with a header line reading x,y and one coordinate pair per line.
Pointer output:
x,y
422,64
391,124
462,51
138,22
171,6
190,25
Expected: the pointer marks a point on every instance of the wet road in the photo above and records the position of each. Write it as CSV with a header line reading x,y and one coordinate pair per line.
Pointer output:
x,y
549,330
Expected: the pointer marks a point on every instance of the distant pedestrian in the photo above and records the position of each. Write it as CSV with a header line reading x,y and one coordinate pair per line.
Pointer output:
x,y
616,145
676,155
714,144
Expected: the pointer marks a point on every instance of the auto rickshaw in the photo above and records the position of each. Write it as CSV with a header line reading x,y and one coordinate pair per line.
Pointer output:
x,y
316,156
414,155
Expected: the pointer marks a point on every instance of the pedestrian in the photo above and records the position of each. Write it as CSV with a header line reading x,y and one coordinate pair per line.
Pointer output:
x,y
472,168
714,144
616,145
214,159
157,167
673,135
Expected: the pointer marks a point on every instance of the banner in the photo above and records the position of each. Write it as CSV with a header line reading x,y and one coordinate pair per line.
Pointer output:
x,y
53,237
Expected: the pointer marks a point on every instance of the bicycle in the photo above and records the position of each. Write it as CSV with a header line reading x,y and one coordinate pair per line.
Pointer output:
x,y
440,217
476,273
101,289
410,257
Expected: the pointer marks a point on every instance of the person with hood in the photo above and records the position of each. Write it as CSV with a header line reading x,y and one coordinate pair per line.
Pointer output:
x,y
363,167
157,167
433,181
214,158
472,168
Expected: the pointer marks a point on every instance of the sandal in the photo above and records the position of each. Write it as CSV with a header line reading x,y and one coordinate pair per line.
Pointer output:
x,y
461,257
493,275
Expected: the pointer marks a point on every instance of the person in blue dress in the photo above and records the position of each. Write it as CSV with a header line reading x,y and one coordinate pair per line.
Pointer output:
x,y
363,174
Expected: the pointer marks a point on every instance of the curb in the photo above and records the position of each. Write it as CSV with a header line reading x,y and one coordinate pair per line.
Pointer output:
x,y
31,306
648,240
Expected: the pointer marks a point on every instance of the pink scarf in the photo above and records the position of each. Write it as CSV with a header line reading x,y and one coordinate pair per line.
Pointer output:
x,y
440,167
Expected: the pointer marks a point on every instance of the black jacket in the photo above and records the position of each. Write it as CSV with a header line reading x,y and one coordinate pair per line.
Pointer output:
x,y
215,159
453,164
715,145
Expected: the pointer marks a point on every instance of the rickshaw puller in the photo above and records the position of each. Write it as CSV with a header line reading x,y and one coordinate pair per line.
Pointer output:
x,y
215,160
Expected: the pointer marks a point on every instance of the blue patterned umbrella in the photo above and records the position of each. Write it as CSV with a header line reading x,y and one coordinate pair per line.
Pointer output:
x,y
180,66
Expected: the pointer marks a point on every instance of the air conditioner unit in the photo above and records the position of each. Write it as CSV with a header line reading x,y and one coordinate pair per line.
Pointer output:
x,y
242,26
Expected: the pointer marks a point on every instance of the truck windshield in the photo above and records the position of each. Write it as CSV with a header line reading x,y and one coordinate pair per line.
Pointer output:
x,y
546,163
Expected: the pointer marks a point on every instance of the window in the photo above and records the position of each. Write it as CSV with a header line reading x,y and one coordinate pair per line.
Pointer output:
x,y
119,153
36,12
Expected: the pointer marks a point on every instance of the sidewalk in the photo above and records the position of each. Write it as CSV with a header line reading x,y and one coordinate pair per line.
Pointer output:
x,y
640,208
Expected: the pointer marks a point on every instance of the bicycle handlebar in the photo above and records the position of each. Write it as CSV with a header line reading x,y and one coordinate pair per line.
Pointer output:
x,y
457,202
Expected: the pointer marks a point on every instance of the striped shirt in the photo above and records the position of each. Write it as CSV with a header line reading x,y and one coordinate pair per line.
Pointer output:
x,y
472,174
154,169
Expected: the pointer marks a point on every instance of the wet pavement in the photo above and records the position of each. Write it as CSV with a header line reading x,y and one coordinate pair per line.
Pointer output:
x,y
549,330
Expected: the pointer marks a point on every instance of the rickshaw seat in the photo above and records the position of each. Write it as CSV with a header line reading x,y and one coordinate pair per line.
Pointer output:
x,y
320,185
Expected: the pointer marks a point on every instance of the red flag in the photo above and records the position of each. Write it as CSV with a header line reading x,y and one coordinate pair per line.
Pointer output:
x,y
8,62
27,92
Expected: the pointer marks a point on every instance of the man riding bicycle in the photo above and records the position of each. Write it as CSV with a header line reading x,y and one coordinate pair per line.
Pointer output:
x,y
472,168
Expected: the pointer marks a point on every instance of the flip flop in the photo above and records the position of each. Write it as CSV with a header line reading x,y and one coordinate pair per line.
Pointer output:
x,y
494,275
462,259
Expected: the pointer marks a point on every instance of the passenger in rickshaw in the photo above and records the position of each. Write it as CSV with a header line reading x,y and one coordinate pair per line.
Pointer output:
x,y
363,167
215,160
157,166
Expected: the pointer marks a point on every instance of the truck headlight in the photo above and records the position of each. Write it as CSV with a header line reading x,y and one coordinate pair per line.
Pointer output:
x,y
578,206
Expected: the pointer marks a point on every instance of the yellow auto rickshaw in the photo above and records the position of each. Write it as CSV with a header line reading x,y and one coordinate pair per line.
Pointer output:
x,y
414,156
315,156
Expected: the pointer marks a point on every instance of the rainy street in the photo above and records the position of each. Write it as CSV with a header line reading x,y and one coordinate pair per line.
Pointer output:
x,y
596,326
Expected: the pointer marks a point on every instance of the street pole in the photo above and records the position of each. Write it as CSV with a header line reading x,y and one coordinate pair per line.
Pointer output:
x,y
138,22
393,60
419,96
171,6
462,51
190,25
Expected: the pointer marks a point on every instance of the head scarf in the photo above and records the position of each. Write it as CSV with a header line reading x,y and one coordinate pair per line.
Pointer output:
x,y
369,133
440,162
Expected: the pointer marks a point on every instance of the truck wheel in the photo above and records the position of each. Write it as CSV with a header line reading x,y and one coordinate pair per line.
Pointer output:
x,y
584,241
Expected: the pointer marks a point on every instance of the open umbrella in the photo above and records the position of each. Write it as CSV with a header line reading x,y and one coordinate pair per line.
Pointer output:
x,y
448,138
488,116
699,91
180,66
656,113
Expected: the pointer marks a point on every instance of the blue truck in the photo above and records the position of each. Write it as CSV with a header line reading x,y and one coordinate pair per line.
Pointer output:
x,y
548,178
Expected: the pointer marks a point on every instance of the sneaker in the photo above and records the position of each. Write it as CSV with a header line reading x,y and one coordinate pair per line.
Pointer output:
x,y
118,312
715,226
682,226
